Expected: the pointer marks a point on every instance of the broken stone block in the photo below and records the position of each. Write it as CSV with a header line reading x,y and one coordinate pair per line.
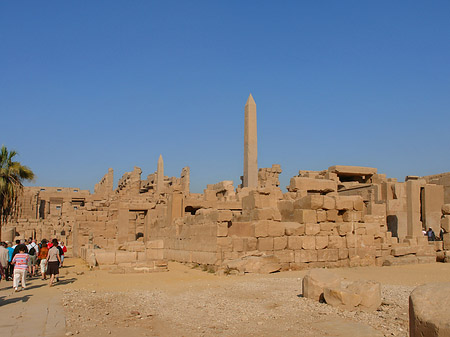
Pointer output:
x,y
429,305
316,280
370,293
341,297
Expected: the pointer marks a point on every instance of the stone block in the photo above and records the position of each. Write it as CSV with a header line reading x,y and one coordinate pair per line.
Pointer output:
x,y
309,242
222,229
295,242
446,209
343,253
400,251
326,226
238,244
312,201
370,293
156,244
445,223
341,298
344,228
312,185
321,242
321,215
327,255
250,244
438,246
316,280
265,244
329,203
344,203
352,216
305,216
335,241
275,228
293,228
286,209
224,215
225,244
446,241
305,255
285,256
428,310
261,228
312,229
400,260
280,243
332,215
125,257
265,214
105,257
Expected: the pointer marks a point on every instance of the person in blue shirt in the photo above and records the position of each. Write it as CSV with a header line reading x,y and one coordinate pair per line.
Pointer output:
x,y
10,266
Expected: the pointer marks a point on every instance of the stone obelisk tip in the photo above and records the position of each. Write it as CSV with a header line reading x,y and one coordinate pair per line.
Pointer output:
x,y
250,100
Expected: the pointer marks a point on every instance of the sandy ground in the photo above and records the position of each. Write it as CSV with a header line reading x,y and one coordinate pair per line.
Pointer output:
x,y
191,302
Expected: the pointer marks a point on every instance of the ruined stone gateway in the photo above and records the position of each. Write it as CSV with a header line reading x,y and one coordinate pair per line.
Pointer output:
x,y
341,216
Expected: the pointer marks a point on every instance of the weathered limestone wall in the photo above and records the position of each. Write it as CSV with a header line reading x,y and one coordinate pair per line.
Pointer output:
x,y
441,179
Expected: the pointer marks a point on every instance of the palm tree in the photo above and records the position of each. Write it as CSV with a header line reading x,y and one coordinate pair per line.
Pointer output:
x,y
12,173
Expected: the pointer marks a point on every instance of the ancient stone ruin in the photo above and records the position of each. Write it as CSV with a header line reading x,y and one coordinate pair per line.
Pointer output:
x,y
340,216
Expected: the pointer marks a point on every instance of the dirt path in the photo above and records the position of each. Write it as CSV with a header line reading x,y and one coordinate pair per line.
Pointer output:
x,y
190,302
36,311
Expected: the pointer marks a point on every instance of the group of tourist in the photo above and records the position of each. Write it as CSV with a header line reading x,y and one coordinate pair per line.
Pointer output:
x,y
29,257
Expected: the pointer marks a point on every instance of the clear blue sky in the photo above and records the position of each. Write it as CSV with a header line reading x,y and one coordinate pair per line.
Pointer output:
x,y
88,85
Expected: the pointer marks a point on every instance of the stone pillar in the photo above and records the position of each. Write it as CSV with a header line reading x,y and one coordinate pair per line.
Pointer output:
x,y
185,180
160,175
250,145
432,201
414,225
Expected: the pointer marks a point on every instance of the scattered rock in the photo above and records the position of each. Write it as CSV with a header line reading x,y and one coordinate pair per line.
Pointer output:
x,y
316,280
341,298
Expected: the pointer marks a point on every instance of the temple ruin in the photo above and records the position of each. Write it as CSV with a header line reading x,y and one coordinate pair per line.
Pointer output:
x,y
340,216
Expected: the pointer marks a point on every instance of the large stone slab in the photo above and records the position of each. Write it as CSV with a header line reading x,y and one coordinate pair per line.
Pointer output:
x,y
429,307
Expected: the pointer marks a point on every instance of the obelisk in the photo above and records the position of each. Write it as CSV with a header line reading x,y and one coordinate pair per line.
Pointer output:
x,y
160,175
250,145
